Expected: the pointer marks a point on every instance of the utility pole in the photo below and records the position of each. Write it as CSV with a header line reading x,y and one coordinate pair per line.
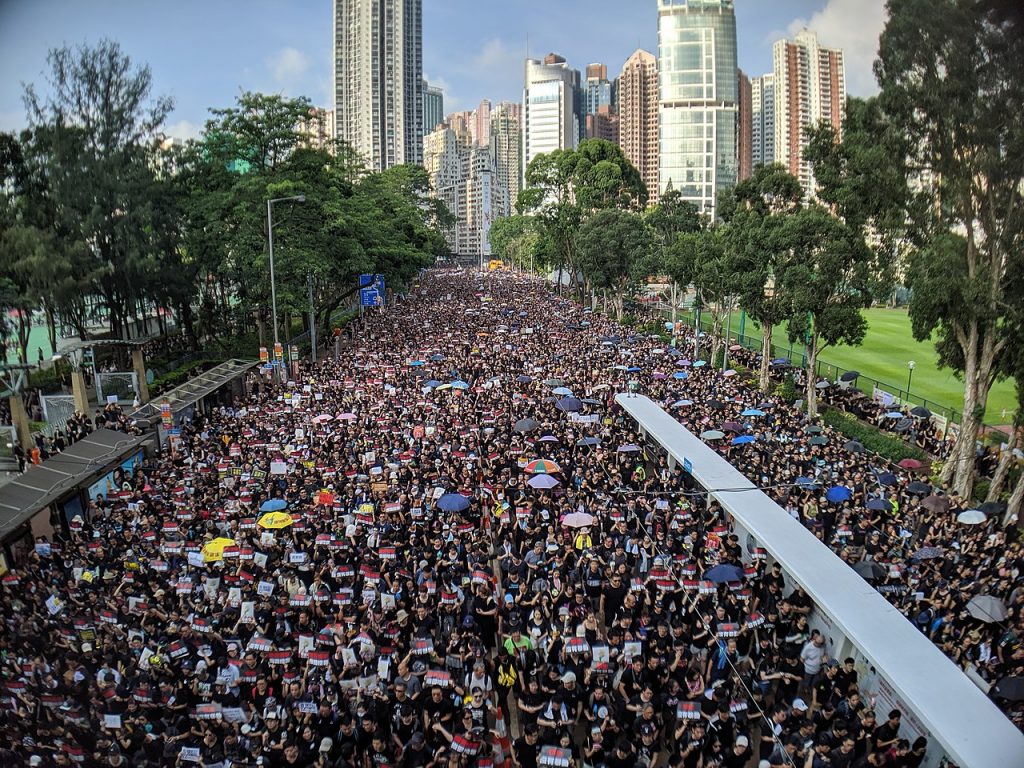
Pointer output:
x,y
312,317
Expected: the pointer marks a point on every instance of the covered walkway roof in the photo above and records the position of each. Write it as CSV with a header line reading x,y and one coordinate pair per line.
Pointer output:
x,y
955,712
22,497
194,390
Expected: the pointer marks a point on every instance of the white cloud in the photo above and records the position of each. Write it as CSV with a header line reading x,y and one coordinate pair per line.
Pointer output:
x,y
854,26
288,65
451,101
184,130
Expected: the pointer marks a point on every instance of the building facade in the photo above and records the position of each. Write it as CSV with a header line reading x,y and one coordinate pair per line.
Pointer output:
x,y
638,117
433,107
506,148
378,79
482,124
810,89
744,127
698,99
598,90
317,129
762,114
464,176
603,124
551,107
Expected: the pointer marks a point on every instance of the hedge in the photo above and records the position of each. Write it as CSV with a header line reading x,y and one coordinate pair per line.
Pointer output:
x,y
873,439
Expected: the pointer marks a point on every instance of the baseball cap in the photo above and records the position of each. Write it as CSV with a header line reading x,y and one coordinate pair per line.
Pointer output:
x,y
326,744
742,741
800,704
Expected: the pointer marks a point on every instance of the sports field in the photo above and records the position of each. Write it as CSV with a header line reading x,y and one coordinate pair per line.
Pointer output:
x,y
887,348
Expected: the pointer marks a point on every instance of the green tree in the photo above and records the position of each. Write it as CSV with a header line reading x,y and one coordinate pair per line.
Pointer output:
x,y
950,73
515,239
755,213
93,132
671,217
704,256
614,246
828,279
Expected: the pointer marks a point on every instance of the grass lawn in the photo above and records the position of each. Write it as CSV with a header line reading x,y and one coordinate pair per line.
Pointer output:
x,y
883,355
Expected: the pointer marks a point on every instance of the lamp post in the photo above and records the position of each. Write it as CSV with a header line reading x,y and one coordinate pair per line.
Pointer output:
x,y
910,374
270,241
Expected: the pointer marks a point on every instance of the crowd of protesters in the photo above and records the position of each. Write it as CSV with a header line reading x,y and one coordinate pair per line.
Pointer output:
x,y
366,567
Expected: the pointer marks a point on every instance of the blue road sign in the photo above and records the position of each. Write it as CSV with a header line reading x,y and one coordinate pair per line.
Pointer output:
x,y
371,297
366,280
687,466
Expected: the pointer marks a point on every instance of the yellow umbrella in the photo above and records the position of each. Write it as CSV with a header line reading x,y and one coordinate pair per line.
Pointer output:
x,y
275,520
214,549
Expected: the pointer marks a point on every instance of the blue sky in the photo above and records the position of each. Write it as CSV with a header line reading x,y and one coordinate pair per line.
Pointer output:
x,y
204,53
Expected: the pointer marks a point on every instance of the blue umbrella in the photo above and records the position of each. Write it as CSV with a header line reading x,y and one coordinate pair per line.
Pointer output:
x,y
273,505
780,361
681,403
699,363
436,358
459,384
743,439
569,404
837,494
433,383
561,391
680,375
416,363
894,415
523,379
887,478
453,502
752,412
879,505
806,482
722,574
633,369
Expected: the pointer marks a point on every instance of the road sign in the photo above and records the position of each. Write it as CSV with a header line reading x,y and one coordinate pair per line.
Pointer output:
x,y
293,353
687,466
264,355
371,297
278,350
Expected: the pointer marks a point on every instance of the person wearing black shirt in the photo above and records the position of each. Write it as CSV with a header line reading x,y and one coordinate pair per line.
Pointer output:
x,y
526,749
613,597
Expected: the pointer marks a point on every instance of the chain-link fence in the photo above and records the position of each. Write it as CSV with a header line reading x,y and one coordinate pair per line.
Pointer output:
x,y
57,410
123,384
886,393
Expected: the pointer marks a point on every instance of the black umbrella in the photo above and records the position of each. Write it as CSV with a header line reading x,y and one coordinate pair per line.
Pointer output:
x,y
853,446
716,405
526,425
993,508
849,376
919,488
869,570
1010,688
887,478
920,412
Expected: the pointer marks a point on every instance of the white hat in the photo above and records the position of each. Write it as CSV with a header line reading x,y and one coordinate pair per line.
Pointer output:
x,y
800,704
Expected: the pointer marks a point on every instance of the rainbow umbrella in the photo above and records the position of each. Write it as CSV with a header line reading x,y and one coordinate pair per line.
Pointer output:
x,y
542,467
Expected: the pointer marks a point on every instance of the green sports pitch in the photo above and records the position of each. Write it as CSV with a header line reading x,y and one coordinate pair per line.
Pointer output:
x,y
884,355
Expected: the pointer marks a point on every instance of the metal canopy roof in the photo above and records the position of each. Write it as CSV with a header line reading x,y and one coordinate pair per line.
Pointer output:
x,y
970,728
22,497
195,389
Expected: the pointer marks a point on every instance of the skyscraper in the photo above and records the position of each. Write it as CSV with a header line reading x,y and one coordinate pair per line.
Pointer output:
x,y
551,109
506,148
433,107
698,89
598,91
317,129
638,117
378,79
482,124
762,113
744,127
603,124
810,88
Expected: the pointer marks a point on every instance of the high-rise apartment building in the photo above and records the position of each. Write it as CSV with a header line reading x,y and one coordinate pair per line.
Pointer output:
x,y
744,127
603,124
433,107
463,175
506,148
482,124
317,129
638,117
598,90
698,91
810,88
762,113
551,107
378,79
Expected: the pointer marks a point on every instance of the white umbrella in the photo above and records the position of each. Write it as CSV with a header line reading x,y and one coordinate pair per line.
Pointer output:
x,y
987,608
971,517
578,520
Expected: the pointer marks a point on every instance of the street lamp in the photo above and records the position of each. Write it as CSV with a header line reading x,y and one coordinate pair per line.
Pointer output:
x,y
910,374
270,240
